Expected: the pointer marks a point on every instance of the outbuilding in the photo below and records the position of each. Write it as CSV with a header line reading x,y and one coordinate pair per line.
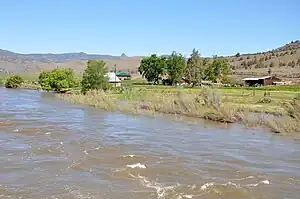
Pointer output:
x,y
113,79
123,75
261,81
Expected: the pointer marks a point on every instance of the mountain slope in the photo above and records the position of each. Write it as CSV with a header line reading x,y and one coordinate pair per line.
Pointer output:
x,y
283,61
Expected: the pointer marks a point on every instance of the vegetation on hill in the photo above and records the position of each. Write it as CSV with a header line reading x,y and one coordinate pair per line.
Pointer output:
x,y
13,81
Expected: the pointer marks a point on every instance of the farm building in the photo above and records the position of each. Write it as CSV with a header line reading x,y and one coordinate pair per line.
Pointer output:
x,y
262,81
123,75
113,79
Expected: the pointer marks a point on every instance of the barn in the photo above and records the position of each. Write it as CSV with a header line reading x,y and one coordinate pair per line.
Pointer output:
x,y
261,81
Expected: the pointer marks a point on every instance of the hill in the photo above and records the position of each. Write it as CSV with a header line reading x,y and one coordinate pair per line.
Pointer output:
x,y
283,61
11,62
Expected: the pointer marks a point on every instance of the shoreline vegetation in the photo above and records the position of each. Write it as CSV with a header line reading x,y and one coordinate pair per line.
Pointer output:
x,y
279,112
276,108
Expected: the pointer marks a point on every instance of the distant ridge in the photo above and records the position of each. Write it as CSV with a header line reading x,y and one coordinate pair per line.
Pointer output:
x,y
60,57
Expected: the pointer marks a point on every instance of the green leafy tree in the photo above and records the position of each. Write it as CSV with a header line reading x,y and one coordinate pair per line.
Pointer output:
x,y
95,76
14,81
175,67
58,80
153,67
217,70
237,55
195,68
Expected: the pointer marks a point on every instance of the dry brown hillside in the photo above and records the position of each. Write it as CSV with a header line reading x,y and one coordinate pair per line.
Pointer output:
x,y
283,62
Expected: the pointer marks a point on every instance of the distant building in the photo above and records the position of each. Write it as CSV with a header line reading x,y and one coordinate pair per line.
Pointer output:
x,y
261,81
113,79
123,75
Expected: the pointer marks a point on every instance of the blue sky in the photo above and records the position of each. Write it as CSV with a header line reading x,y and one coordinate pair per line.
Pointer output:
x,y
142,27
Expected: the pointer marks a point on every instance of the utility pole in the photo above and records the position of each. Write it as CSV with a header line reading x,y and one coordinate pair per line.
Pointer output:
x,y
115,75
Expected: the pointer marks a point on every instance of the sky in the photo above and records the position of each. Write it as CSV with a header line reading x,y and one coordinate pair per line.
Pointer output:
x,y
143,27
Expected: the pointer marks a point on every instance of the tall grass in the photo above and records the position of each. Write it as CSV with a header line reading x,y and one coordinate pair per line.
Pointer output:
x,y
289,123
206,104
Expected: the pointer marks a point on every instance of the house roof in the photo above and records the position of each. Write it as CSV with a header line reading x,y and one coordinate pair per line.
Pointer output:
x,y
123,74
256,78
112,77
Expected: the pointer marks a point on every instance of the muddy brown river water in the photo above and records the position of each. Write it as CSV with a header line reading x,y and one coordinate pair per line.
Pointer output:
x,y
52,149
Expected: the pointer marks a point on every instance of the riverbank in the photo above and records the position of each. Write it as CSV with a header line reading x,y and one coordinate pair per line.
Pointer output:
x,y
221,105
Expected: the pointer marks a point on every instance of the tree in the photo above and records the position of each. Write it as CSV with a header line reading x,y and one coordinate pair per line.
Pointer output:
x,y
217,70
153,67
195,68
95,76
175,67
14,81
237,55
270,71
59,80
292,64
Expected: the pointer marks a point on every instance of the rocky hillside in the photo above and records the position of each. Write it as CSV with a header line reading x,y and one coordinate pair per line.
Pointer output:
x,y
283,62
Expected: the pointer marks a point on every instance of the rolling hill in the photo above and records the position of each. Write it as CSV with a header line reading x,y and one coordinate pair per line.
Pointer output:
x,y
283,61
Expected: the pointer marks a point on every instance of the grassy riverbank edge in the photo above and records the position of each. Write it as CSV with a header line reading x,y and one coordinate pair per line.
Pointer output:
x,y
205,103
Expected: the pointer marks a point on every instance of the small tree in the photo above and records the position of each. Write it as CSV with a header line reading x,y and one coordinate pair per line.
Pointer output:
x,y
293,64
272,64
95,76
298,62
237,55
14,81
270,71
175,67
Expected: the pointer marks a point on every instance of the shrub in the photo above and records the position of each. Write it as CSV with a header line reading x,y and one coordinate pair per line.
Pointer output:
x,y
59,80
261,59
272,64
13,81
94,76
298,62
292,64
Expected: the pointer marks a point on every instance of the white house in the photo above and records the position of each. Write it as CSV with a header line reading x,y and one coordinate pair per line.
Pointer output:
x,y
113,79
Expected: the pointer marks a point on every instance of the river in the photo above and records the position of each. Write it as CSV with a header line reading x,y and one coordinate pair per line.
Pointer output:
x,y
52,149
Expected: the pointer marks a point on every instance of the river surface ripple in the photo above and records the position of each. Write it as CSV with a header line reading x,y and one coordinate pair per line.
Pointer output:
x,y
53,149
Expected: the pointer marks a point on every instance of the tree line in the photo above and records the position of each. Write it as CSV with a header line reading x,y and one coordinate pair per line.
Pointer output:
x,y
172,68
